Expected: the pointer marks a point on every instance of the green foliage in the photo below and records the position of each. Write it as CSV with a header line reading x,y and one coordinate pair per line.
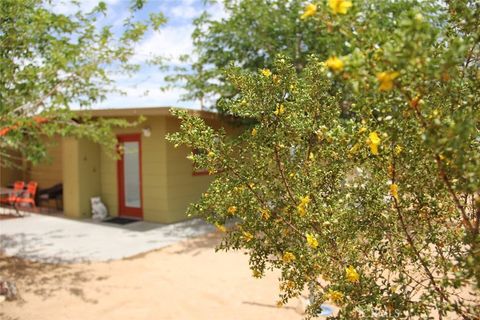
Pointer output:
x,y
359,177
49,61
251,35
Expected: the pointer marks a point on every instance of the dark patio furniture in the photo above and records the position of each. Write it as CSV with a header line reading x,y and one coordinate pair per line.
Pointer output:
x,y
53,193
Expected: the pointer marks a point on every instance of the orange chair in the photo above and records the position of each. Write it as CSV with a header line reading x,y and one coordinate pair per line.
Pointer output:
x,y
28,196
12,197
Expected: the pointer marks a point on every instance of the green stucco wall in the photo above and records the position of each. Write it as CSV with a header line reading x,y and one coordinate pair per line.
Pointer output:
x,y
183,188
153,171
81,176
48,172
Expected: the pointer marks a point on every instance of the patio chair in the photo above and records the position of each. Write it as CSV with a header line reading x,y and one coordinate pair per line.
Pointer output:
x,y
28,196
12,196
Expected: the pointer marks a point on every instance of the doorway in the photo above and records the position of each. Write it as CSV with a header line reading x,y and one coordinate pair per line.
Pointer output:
x,y
129,172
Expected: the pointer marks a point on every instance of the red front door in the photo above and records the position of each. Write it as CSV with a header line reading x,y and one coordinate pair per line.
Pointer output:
x,y
129,172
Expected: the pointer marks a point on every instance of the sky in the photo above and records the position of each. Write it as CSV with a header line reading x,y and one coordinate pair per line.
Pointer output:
x,y
172,40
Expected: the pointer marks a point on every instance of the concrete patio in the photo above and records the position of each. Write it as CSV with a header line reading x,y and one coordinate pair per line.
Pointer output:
x,y
57,239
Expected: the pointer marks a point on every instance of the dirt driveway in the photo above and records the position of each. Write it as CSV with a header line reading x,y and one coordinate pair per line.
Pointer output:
x,y
187,280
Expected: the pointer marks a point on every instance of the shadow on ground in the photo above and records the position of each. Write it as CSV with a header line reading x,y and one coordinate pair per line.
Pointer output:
x,y
45,279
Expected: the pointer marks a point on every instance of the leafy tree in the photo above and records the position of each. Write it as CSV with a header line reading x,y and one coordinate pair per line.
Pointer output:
x,y
251,35
360,176
49,61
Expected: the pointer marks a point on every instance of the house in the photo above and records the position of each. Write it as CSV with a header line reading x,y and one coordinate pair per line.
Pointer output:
x,y
152,180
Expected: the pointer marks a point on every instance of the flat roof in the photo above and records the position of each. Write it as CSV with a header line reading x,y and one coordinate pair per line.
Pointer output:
x,y
145,111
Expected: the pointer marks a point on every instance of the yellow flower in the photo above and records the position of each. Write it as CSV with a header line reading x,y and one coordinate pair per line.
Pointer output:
x,y
394,191
334,63
288,257
279,110
373,141
266,73
398,150
232,210
339,6
287,285
256,274
304,201
265,214
301,211
310,11
335,296
302,206
276,79
352,274
211,154
254,132
311,240
386,80
220,227
247,236
362,130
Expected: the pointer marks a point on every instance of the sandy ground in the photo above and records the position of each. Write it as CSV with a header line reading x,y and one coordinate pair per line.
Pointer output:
x,y
185,281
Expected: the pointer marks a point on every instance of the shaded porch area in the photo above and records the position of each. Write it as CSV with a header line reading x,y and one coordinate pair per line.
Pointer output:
x,y
57,239
42,183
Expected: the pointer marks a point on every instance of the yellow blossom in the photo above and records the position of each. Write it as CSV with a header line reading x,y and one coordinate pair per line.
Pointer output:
x,y
265,214
339,6
287,285
288,257
266,73
394,191
232,210
256,274
254,132
386,79
334,63
276,79
301,211
311,240
362,130
304,201
335,296
247,236
398,150
373,141
310,11
302,206
220,227
352,274
211,154
279,110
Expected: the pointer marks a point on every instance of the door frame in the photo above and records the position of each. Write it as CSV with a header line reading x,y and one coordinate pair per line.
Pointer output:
x,y
124,211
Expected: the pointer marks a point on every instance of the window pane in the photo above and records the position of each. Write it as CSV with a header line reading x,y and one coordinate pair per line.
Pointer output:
x,y
131,172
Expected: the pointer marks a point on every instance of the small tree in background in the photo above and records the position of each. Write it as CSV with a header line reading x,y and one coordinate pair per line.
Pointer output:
x,y
251,34
359,178
50,61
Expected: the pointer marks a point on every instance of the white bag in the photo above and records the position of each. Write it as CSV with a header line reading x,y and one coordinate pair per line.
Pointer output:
x,y
99,210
